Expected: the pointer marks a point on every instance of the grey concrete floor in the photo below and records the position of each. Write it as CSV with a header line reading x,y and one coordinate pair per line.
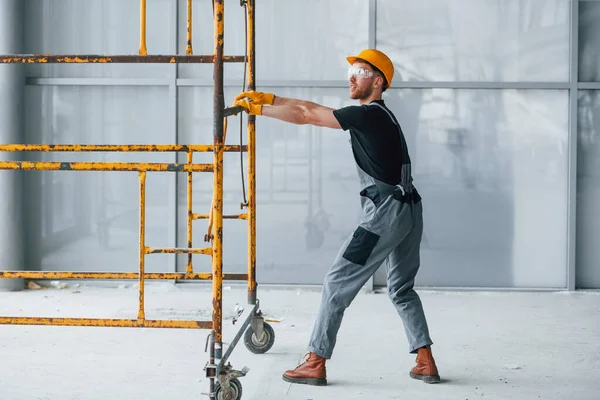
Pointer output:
x,y
542,345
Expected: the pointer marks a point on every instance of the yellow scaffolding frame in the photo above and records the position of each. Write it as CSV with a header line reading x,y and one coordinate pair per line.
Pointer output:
x,y
258,335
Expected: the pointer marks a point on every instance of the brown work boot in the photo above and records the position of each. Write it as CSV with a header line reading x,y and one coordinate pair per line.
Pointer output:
x,y
425,369
310,372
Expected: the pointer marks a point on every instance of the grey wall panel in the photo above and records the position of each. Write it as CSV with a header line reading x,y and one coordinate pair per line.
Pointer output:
x,y
588,190
473,40
498,155
588,178
589,41
491,166
492,181
295,40
97,27
89,220
12,83
307,189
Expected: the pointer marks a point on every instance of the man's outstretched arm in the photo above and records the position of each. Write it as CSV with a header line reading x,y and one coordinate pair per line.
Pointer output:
x,y
301,112
295,111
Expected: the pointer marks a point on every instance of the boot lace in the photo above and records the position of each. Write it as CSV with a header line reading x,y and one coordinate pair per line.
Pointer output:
x,y
303,360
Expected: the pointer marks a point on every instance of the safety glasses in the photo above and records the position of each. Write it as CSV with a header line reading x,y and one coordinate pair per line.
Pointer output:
x,y
359,72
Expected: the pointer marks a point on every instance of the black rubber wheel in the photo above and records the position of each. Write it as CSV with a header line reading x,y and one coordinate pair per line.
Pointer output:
x,y
236,390
259,345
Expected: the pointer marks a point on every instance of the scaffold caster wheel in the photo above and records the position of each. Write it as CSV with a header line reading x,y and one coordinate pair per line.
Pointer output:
x,y
259,345
236,390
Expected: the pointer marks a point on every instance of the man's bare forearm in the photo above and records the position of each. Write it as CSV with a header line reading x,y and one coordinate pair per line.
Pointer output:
x,y
286,101
300,112
293,113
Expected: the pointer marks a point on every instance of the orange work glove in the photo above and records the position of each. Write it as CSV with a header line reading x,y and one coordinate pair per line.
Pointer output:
x,y
257,97
250,107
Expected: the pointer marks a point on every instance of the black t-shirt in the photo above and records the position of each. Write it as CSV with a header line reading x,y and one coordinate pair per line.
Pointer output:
x,y
378,144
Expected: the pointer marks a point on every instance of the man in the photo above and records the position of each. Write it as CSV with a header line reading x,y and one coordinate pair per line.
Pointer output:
x,y
391,225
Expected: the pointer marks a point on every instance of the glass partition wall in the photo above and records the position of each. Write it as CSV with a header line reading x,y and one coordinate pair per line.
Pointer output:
x,y
498,100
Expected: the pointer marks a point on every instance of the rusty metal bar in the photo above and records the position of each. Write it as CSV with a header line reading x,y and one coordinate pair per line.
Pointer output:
x,y
113,59
232,216
219,105
243,321
102,166
189,267
143,49
251,159
117,147
116,275
211,372
111,323
188,49
229,111
142,253
189,251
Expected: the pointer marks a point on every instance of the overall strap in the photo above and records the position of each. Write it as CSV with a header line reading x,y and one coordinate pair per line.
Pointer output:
x,y
388,113
404,175
405,196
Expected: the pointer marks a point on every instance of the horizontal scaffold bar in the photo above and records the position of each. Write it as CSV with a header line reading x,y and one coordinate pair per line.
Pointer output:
x,y
103,166
113,323
226,216
116,275
180,250
228,112
112,59
117,147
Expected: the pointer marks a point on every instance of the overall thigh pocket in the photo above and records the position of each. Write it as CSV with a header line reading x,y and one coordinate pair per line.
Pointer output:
x,y
361,246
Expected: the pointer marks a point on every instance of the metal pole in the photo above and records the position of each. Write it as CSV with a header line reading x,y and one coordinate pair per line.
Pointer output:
x,y
143,50
571,278
190,219
251,161
142,255
219,104
188,49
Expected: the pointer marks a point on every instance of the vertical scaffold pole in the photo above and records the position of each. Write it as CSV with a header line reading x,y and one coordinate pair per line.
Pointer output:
x,y
142,245
188,47
219,104
251,162
143,47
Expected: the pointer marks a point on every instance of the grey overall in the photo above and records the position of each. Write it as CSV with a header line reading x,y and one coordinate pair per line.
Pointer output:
x,y
390,228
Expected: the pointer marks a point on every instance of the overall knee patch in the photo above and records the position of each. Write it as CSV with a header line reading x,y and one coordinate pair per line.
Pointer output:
x,y
361,246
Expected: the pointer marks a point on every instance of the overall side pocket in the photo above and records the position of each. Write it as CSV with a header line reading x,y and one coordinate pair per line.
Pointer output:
x,y
361,246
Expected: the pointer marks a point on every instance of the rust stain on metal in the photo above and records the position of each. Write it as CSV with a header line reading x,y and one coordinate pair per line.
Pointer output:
x,y
225,216
182,250
251,212
102,166
188,49
229,111
251,159
142,244
115,275
218,139
117,148
217,320
115,59
234,58
189,266
251,44
112,323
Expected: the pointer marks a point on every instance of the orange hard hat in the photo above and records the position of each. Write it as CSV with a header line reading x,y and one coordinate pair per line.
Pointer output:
x,y
379,60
